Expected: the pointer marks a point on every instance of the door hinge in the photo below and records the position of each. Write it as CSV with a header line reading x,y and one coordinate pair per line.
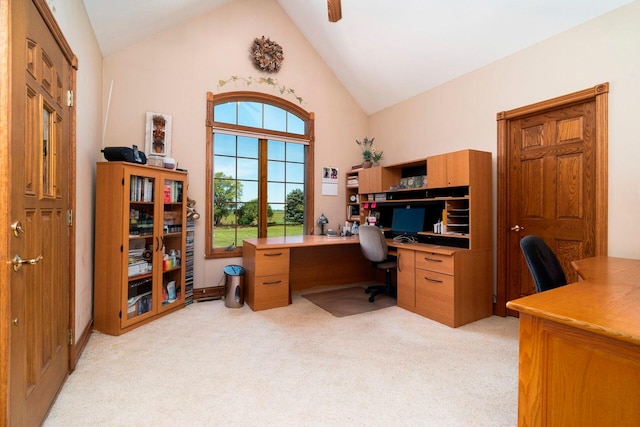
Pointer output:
x,y
69,98
70,337
70,217
495,299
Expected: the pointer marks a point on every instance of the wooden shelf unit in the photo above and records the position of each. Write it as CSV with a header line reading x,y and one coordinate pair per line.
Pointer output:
x,y
467,188
140,218
444,276
353,198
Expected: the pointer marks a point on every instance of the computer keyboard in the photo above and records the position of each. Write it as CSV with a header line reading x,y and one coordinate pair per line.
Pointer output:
x,y
404,239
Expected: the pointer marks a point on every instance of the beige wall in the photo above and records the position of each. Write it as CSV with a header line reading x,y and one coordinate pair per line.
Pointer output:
x,y
462,113
171,73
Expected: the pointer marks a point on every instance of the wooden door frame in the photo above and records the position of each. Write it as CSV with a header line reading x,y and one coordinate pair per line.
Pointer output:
x,y
5,196
599,94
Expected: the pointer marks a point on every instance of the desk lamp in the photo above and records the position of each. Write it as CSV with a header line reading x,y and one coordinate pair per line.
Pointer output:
x,y
322,220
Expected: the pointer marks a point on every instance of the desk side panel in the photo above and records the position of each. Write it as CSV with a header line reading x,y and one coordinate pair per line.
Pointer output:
x,y
249,264
569,376
316,266
474,286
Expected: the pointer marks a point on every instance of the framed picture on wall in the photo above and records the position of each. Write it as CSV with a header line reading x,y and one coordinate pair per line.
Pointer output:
x,y
158,134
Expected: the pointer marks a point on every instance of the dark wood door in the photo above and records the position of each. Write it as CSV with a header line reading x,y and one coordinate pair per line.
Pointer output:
x,y
41,203
550,184
551,188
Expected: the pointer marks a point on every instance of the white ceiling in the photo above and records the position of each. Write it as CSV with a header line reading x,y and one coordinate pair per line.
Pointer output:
x,y
383,51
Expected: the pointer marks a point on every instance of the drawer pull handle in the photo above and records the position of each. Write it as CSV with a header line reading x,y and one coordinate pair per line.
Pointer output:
x,y
432,259
278,254
272,283
432,280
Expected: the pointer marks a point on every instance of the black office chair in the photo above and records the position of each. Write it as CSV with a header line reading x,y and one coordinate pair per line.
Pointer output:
x,y
543,264
374,248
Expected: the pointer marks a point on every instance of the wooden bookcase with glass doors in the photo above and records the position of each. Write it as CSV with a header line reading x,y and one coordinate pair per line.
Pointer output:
x,y
140,237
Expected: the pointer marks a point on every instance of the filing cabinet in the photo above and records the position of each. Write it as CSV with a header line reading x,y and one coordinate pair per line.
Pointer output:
x,y
448,285
435,287
267,278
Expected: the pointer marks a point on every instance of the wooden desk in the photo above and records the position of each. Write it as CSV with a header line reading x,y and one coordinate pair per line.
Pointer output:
x,y
277,265
449,285
579,360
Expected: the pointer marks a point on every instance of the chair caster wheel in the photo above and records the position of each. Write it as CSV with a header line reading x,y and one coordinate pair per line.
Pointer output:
x,y
371,299
367,291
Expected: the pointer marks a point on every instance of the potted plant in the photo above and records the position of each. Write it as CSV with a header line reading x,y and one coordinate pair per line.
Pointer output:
x,y
376,156
366,145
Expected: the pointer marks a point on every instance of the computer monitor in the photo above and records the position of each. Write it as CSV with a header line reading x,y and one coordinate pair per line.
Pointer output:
x,y
407,220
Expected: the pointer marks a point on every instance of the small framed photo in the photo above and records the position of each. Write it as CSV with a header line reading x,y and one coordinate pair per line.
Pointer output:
x,y
158,135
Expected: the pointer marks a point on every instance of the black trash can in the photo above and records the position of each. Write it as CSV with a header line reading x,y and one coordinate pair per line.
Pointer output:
x,y
234,286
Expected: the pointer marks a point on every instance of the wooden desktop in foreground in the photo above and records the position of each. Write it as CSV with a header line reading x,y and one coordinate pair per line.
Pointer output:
x,y
580,348
446,284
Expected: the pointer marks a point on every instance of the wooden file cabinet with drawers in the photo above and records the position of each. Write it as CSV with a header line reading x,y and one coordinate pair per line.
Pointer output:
x,y
445,284
267,278
435,287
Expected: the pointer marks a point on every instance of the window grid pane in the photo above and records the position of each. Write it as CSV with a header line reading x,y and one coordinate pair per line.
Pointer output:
x,y
250,114
275,118
226,113
227,193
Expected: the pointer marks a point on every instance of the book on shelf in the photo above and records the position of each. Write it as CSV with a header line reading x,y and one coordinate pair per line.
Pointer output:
x,y
141,189
173,191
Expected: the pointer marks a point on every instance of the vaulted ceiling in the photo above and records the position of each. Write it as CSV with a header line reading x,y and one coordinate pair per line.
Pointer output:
x,y
383,51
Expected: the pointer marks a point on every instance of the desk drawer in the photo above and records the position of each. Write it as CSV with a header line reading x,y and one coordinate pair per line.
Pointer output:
x,y
435,296
271,292
435,262
272,261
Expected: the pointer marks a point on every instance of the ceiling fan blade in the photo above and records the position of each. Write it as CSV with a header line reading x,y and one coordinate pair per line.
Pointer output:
x,y
335,10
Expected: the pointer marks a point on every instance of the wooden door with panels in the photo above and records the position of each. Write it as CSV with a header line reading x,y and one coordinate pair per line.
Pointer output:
x,y
41,189
552,182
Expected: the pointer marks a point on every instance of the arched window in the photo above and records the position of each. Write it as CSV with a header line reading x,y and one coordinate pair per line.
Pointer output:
x,y
259,170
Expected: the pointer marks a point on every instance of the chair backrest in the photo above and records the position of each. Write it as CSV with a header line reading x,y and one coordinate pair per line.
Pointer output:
x,y
372,243
543,264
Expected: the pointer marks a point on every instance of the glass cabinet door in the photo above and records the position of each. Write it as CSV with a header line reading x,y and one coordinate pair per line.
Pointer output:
x,y
173,244
139,248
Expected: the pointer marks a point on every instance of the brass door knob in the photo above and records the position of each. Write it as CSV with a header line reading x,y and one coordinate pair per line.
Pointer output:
x,y
17,261
17,228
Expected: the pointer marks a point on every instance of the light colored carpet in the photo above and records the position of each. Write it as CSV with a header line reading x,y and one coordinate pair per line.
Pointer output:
x,y
349,301
209,365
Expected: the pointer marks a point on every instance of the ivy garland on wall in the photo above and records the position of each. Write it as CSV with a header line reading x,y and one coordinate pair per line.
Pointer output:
x,y
248,81
267,55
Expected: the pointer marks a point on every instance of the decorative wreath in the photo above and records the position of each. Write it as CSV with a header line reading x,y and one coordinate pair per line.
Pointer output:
x,y
267,55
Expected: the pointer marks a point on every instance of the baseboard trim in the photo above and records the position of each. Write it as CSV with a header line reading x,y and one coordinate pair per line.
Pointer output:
x,y
76,350
205,294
